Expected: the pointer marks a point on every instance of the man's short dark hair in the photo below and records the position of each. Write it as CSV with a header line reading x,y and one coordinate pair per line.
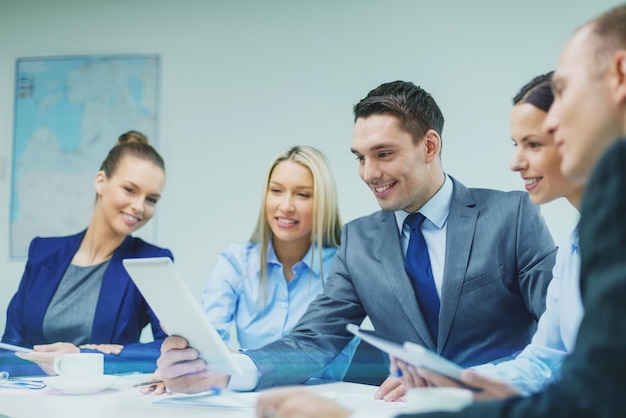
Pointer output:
x,y
415,108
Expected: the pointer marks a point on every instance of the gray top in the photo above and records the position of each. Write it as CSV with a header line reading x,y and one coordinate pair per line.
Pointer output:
x,y
70,315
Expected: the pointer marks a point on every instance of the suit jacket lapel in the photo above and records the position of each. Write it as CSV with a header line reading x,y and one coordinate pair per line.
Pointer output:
x,y
56,266
459,237
114,286
392,259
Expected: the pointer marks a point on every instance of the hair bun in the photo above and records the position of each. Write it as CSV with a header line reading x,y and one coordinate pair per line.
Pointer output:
x,y
132,136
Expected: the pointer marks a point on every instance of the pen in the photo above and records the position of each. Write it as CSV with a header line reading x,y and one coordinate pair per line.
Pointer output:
x,y
234,396
148,383
217,390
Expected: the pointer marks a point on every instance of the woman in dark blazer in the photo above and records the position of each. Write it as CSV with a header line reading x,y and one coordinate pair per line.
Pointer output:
x,y
75,295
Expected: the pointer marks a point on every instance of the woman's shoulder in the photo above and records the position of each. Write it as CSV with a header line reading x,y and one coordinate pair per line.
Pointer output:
x,y
242,252
237,261
328,253
141,248
43,247
58,240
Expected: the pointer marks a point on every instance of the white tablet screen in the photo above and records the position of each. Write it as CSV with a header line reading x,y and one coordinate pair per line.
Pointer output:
x,y
179,311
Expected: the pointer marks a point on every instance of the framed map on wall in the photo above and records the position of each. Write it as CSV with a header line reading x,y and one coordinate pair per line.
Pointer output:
x,y
69,111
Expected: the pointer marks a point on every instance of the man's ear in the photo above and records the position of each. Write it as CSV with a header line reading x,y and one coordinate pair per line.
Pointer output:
x,y
432,141
619,66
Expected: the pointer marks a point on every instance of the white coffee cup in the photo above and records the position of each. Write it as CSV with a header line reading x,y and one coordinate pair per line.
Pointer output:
x,y
80,366
437,399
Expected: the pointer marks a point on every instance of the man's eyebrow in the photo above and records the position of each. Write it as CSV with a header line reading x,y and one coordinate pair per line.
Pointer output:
x,y
376,147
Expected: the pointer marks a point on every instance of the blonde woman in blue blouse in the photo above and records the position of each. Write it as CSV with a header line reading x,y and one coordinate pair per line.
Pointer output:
x,y
261,288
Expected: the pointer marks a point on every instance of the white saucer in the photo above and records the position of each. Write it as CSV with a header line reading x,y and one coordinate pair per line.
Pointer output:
x,y
81,387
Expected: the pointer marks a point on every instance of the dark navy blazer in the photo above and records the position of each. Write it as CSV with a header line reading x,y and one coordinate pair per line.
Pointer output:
x,y
121,312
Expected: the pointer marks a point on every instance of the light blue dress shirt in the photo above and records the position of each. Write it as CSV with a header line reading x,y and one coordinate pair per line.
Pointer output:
x,y
539,363
232,297
434,229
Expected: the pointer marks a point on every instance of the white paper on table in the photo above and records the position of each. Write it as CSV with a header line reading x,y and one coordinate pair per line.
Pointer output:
x,y
210,399
248,400
367,403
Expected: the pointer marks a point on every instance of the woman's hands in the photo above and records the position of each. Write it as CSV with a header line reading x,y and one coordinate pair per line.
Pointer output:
x,y
391,390
45,354
485,388
104,348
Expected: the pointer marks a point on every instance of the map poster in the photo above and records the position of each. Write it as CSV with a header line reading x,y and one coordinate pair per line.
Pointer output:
x,y
69,111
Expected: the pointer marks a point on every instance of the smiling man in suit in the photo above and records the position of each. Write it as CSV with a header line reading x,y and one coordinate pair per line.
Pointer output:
x,y
467,281
588,120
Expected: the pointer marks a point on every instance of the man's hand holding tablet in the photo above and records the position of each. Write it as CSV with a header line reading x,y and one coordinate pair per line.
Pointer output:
x,y
180,313
182,370
194,358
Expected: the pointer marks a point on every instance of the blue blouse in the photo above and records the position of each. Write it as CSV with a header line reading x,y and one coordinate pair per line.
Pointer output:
x,y
539,363
232,297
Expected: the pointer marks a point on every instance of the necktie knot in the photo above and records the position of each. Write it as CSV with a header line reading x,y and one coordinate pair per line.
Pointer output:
x,y
415,221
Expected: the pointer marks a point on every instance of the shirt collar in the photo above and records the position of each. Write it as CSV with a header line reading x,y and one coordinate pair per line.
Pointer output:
x,y
435,210
272,258
574,240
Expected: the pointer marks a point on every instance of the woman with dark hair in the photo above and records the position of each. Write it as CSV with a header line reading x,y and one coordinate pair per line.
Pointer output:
x,y
538,161
75,295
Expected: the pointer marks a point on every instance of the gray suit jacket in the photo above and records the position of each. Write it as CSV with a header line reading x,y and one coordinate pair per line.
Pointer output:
x,y
593,377
499,259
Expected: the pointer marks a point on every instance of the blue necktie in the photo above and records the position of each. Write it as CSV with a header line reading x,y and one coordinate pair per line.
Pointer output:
x,y
417,265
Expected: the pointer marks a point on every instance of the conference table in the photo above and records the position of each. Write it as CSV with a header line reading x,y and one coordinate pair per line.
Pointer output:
x,y
122,400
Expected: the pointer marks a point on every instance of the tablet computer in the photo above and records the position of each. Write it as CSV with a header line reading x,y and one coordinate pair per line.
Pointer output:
x,y
17,348
179,311
411,353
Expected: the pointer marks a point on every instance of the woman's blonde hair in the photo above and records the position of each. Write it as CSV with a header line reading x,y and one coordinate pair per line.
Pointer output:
x,y
326,225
